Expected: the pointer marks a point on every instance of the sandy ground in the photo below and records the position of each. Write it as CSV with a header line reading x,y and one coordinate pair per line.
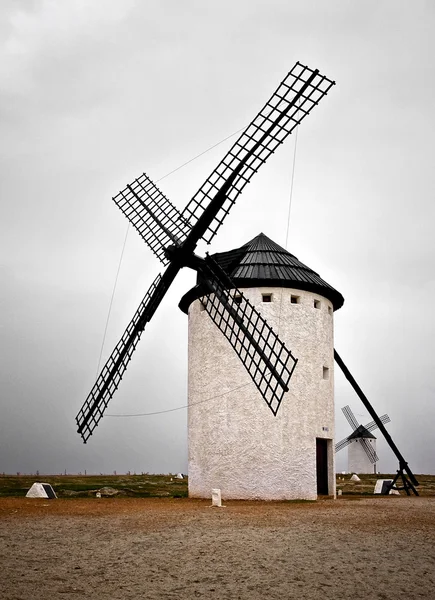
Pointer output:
x,y
156,549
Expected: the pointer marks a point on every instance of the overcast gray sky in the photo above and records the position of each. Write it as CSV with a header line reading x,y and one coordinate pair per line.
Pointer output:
x,y
93,93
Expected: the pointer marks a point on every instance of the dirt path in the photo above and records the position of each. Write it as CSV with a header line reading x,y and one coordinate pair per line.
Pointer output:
x,y
156,549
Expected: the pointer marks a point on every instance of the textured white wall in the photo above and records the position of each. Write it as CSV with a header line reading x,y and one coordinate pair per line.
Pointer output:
x,y
235,442
358,461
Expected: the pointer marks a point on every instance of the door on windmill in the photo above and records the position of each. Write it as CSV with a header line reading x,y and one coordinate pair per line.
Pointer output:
x,y
322,466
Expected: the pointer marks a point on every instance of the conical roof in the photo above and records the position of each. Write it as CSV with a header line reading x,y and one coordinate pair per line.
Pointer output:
x,y
261,262
361,432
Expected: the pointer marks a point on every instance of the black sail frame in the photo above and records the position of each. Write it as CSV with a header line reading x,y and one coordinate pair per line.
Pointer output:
x,y
350,417
152,214
268,361
173,236
160,223
372,425
293,100
113,371
369,450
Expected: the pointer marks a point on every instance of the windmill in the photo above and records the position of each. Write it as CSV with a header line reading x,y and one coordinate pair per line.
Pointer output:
x,y
173,236
232,444
362,444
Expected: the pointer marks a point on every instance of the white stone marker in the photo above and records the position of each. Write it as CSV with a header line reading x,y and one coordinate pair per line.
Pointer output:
x,y
41,490
216,499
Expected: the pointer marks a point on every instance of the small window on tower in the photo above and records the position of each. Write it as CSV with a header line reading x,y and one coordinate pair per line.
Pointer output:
x,y
267,297
201,306
237,299
325,373
295,299
316,303
330,310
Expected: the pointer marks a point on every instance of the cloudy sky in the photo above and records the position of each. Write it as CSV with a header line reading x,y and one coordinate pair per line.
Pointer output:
x,y
93,93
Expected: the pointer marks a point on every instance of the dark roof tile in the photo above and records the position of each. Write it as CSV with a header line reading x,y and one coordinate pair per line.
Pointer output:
x,y
261,262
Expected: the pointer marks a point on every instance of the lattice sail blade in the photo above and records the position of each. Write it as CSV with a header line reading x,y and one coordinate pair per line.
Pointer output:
x,y
373,425
265,357
156,219
110,377
350,417
340,445
300,91
369,450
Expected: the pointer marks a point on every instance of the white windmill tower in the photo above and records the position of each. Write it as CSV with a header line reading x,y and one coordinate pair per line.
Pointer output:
x,y
359,460
234,445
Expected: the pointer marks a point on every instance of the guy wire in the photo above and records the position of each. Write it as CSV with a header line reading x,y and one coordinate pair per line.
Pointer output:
x,y
161,412
288,214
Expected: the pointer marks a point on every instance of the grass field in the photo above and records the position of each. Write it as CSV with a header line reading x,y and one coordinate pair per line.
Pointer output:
x,y
139,486
164,486
367,484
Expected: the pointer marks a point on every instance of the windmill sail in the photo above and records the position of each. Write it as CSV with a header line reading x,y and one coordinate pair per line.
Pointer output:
x,y
350,417
369,450
294,99
266,358
110,377
344,442
373,425
153,215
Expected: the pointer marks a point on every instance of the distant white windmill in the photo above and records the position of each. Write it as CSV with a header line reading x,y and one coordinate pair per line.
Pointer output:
x,y
362,457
